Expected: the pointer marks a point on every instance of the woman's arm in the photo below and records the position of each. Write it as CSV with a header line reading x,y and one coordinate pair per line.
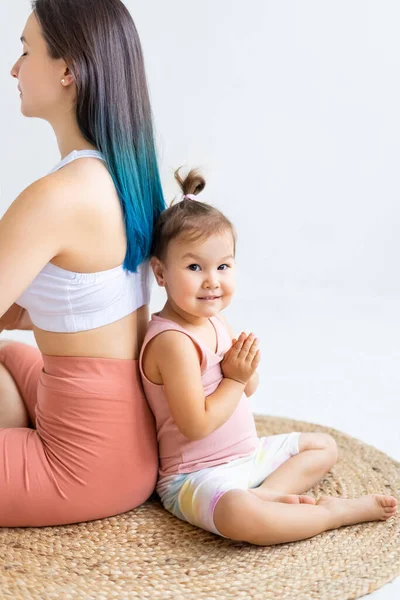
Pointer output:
x,y
32,232
16,317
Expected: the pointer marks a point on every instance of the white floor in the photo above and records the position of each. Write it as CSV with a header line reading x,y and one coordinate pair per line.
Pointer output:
x,y
328,359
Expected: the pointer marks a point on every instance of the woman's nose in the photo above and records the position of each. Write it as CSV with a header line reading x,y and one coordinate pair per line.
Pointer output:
x,y
14,70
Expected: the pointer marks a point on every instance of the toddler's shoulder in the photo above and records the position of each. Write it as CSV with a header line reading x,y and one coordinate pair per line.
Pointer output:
x,y
169,345
165,354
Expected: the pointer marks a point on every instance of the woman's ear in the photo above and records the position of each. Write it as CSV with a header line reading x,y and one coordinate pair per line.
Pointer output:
x,y
158,270
66,76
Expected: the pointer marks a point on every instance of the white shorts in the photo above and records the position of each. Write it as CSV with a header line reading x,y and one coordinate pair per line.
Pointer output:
x,y
192,497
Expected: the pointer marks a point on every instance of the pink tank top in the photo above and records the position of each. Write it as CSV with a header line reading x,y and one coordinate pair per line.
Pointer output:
x,y
237,437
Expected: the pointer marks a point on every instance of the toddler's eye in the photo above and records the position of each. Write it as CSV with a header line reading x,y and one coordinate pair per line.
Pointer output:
x,y
194,265
224,265
24,54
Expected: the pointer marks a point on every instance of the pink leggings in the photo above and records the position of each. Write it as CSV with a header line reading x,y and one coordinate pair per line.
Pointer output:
x,y
92,450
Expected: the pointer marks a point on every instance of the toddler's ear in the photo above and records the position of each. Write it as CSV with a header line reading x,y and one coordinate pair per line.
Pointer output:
x,y
157,267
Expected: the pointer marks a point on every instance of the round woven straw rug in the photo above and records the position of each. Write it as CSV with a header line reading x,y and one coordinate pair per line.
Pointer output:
x,y
148,553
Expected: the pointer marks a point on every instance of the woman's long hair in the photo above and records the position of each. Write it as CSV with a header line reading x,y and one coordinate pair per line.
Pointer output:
x,y
100,44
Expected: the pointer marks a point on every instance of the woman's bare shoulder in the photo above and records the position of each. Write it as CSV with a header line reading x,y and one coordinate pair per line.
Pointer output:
x,y
83,198
32,232
93,214
55,188
88,178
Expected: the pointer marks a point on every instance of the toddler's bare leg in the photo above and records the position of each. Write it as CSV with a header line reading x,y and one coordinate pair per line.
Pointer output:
x,y
318,453
240,515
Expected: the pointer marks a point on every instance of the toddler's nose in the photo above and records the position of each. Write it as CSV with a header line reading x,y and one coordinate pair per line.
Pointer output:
x,y
211,284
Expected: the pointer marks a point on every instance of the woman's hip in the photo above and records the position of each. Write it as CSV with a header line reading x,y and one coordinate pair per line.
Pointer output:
x,y
93,411
93,451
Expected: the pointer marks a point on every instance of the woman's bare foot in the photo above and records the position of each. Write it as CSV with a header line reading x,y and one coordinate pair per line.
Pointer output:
x,y
287,498
371,507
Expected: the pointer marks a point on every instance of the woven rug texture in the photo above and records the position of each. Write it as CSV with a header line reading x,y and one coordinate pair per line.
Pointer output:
x,y
148,553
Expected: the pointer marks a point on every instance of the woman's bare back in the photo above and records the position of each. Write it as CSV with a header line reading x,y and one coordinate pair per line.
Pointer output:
x,y
97,243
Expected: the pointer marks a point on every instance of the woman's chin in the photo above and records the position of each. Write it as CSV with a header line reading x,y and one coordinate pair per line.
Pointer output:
x,y
24,109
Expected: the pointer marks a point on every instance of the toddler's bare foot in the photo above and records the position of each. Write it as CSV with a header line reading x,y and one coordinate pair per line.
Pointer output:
x,y
287,498
371,507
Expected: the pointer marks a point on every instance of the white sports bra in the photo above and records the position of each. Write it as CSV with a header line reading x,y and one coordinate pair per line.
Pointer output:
x,y
66,302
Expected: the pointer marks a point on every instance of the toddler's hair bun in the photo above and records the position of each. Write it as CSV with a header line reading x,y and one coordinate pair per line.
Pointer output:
x,y
193,183
189,219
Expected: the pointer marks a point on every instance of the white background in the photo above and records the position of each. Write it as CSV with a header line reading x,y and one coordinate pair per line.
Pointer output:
x,y
291,110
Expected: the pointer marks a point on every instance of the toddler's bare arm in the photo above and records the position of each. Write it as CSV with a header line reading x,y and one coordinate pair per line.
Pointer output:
x,y
195,414
252,385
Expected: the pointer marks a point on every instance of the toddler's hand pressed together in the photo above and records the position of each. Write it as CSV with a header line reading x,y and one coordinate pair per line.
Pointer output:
x,y
242,359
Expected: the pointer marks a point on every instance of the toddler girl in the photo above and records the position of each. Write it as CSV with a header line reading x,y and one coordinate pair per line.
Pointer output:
x,y
214,471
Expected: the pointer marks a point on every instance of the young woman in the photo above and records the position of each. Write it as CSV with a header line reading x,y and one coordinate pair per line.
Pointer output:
x,y
77,439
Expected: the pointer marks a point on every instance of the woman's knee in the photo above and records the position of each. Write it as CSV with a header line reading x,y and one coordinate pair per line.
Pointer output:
x,y
8,348
13,412
4,343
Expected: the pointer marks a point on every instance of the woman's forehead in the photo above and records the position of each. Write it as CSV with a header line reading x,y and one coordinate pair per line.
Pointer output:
x,y
31,30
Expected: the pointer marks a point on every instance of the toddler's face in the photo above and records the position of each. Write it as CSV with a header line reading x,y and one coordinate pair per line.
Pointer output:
x,y
199,277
